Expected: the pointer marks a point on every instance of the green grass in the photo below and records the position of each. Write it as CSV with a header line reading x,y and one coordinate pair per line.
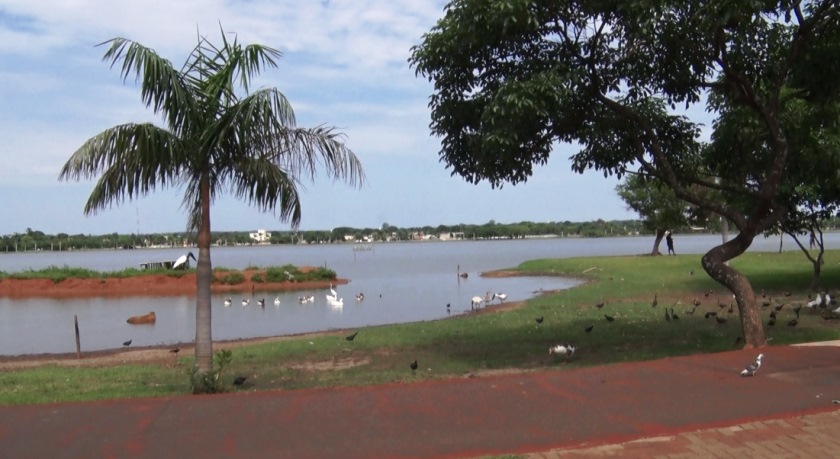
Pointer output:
x,y
486,342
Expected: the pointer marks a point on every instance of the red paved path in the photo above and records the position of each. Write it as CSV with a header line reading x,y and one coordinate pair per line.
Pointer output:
x,y
523,413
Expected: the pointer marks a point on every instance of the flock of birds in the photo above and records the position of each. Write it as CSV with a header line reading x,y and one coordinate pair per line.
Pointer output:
x,y
332,298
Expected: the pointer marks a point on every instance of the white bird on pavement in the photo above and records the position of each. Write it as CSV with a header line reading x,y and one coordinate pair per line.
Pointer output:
x,y
753,367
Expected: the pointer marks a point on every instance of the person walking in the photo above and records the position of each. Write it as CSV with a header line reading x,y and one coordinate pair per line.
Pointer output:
x,y
670,241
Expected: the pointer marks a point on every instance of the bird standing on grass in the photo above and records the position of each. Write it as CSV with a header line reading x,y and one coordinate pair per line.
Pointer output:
x,y
792,323
239,380
566,350
753,367
589,328
413,365
175,351
183,261
655,301
539,319
351,337
600,305
609,318
674,314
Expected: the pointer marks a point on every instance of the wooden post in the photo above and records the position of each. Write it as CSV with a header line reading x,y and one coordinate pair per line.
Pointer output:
x,y
78,343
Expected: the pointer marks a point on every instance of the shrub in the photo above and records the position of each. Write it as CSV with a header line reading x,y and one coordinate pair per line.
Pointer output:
x,y
210,382
258,278
232,278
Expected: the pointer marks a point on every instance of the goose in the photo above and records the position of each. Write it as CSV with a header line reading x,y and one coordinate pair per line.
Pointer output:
x,y
337,303
753,367
183,261
566,350
501,296
261,302
245,302
360,297
277,301
228,302
307,299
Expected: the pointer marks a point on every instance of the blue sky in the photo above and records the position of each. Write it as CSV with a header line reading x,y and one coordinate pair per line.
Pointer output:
x,y
344,65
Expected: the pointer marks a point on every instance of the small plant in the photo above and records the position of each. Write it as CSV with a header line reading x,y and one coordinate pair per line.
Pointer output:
x,y
232,278
258,278
210,382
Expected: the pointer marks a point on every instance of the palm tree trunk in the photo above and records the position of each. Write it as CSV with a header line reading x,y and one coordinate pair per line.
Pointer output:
x,y
204,276
715,264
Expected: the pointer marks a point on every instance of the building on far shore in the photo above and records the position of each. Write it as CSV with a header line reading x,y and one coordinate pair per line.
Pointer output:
x,y
260,236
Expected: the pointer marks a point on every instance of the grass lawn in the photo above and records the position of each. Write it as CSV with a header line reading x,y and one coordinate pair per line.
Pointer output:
x,y
494,341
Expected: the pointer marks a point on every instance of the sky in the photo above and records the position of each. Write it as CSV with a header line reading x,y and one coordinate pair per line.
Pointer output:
x,y
344,64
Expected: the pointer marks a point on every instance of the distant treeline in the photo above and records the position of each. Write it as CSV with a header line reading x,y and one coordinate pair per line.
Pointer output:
x,y
37,240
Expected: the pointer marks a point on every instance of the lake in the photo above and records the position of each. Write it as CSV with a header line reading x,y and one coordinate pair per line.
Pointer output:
x,y
402,282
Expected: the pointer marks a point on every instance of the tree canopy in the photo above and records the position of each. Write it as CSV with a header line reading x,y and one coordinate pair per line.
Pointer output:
x,y
623,80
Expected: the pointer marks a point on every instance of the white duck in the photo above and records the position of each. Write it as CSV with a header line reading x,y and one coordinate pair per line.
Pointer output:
x,y
245,302
337,303
228,302
277,301
566,350
501,296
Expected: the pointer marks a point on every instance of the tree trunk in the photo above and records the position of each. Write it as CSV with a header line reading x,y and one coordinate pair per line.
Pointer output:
x,y
660,234
715,264
204,275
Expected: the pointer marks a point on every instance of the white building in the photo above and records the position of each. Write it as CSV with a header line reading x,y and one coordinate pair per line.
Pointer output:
x,y
260,236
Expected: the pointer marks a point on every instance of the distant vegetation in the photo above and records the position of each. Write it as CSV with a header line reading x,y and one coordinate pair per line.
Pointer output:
x,y
220,275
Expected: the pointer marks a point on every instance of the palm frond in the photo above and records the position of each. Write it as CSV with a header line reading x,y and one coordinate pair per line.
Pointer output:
x,y
161,86
132,158
302,150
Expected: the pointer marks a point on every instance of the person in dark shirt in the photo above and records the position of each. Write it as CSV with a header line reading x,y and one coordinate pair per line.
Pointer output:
x,y
670,241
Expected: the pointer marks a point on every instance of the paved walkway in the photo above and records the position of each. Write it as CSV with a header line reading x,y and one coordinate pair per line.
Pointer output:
x,y
683,406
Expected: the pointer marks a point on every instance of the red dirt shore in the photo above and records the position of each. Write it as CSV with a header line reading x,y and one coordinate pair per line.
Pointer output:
x,y
145,285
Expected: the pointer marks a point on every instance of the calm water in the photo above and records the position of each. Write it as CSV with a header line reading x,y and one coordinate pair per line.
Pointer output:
x,y
402,282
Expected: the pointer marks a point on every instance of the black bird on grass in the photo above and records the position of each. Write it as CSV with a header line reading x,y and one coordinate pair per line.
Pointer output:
x,y
176,350
674,315
413,365
708,292
720,320
600,305
609,318
239,380
792,323
696,302
589,328
127,343
772,314
667,315
765,303
351,337
797,309
710,314
779,307
655,300
787,293
771,322
539,319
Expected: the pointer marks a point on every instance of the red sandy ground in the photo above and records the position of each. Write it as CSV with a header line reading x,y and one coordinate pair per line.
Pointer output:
x,y
149,285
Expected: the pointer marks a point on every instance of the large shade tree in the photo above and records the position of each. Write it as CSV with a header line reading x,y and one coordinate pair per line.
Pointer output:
x,y
512,78
218,137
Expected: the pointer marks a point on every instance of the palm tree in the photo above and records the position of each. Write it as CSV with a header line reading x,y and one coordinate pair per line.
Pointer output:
x,y
215,140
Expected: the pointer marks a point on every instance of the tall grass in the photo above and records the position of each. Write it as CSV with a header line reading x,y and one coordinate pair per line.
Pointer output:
x,y
488,342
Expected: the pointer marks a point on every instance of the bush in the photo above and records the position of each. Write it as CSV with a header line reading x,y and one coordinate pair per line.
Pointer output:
x,y
258,278
210,382
232,278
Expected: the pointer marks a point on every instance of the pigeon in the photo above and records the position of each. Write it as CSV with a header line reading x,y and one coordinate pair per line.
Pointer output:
x,y
792,323
351,337
600,305
609,318
589,328
413,365
753,367
655,301
239,380
539,319
127,343
562,349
